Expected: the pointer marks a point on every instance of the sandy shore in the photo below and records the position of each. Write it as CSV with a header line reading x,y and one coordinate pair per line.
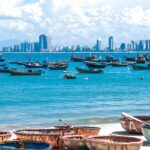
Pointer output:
x,y
107,129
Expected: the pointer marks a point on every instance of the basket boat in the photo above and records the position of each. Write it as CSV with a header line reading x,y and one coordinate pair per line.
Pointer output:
x,y
133,126
4,136
24,145
113,143
74,142
86,130
50,136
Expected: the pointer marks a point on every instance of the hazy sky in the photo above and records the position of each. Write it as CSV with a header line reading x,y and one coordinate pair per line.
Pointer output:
x,y
75,21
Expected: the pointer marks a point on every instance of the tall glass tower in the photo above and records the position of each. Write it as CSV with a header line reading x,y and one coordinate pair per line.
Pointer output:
x,y
111,43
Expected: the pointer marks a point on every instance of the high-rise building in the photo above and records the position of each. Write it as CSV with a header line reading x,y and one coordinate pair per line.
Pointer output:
x,y
43,42
98,45
142,45
16,48
36,47
147,45
25,47
133,46
111,43
123,46
49,42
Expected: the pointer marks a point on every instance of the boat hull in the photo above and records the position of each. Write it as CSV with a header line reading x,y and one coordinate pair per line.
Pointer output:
x,y
91,71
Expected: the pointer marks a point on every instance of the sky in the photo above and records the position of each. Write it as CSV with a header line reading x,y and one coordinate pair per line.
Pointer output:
x,y
72,22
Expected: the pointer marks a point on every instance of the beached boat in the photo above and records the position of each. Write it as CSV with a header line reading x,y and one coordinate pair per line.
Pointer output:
x,y
25,72
93,71
95,65
133,125
146,131
69,76
4,136
139,67
50,136
24,145
86,130
119,64
35,65
74,142
113,142
75,58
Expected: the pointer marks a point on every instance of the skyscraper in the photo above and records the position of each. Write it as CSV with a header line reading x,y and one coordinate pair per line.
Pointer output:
x,y
98,45
43,42
110,42
49,42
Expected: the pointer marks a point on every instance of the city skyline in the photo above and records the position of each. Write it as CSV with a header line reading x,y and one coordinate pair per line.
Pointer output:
x,y
80,22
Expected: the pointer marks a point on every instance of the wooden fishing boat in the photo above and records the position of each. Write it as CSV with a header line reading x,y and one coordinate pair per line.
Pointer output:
x,y
93,71
146,131
3,65
4,136
139,67
58,67
119,64
24,145
25,72
2,59
133,125
75,58
5,70
140,59
127,58
94,65
69,76
74,142
86,130
93,58
35,65
50,136
113,142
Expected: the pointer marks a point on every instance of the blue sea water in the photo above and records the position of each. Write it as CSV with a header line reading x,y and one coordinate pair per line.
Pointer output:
x,y
40,101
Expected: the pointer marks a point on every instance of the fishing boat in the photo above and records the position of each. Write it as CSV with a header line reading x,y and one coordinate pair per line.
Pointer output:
x,y
113,142
25,72
35,65
146,131
58,67
74,142
50,136
6,69
93,71
3,65
24,145
69,76
75,58
127,58
140,59
133,124
91,64
93,58
139,67
119,64
4,136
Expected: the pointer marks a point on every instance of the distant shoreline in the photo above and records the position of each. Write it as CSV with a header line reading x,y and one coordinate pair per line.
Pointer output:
x,y
131,52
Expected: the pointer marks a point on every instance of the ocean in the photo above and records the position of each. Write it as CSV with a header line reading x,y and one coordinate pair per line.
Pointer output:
x,y
40,101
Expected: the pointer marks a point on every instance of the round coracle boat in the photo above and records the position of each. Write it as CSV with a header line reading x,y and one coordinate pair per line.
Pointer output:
x,y
113,143
86,130
146,131
51,136
24,145
133,125
74,142
4,136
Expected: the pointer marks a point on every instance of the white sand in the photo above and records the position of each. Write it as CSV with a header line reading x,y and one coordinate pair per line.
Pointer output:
x,y
107,129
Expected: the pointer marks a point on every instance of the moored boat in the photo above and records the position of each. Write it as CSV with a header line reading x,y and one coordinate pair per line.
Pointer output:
x,y
5,70
95,65
4,136
69,76
35,65
113,142
127,58
119,64
139,67
58,67
75,58
93,71
25,72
